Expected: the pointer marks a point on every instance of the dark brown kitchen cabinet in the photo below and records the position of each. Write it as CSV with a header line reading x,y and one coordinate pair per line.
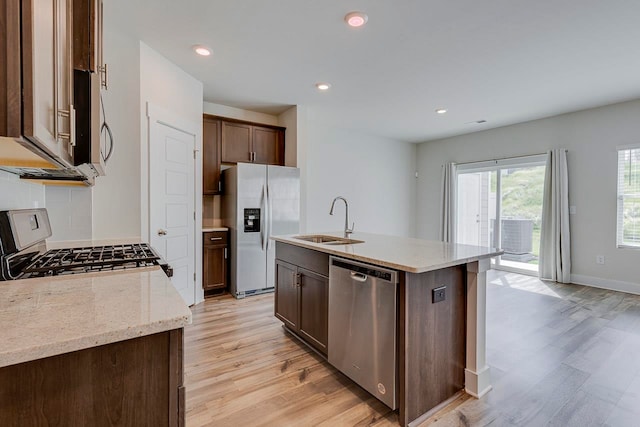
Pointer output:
x,y
215,260
49,92
250,143
87,36
36,79
236,142
211,183
302,293
268,146
136,382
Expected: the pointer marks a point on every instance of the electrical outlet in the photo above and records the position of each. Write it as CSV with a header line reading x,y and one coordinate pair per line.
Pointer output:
x,y
439,294
572,210
599,259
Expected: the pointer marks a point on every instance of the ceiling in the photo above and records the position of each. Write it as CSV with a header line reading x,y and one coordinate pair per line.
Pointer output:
x,y
503,61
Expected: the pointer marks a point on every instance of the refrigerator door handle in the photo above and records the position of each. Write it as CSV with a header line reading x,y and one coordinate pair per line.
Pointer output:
x,y
263,209
269,217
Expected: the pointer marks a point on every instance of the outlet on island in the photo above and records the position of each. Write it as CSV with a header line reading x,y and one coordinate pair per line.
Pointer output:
x,y
439,294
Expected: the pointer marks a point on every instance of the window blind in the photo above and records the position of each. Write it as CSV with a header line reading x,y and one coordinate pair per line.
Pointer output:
x,y
629,197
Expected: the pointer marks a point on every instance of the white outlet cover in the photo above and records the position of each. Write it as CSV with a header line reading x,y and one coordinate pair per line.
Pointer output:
x,y
572,210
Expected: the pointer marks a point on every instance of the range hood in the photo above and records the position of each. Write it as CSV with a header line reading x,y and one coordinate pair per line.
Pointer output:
x,y
21,157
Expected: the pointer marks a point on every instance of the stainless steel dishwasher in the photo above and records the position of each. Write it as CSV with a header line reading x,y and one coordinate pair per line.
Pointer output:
x,y
362,326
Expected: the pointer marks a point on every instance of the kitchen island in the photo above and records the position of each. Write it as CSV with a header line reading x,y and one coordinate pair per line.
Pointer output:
x,y
441,309
92,349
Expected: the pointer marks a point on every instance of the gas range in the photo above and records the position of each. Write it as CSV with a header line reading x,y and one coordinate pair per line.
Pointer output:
x,y
23,251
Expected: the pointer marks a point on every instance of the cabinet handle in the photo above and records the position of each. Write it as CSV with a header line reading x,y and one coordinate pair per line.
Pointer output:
x,y
219,186
225,253
216,238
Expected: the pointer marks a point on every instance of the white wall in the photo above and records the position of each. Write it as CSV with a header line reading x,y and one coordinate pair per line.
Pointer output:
x,y
20,194
240,114
376,175
116,196
591,136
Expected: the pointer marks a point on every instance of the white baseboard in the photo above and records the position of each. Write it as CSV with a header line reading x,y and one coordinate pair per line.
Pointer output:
x,y
613,285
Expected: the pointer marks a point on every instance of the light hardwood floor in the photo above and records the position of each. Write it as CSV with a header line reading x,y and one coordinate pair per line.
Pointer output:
x,y
564,355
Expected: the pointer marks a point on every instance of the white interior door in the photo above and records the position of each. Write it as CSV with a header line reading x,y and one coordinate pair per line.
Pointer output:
x,y
171,202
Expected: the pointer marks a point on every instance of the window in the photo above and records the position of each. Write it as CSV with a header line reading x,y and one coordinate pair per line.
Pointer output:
x,y
629,197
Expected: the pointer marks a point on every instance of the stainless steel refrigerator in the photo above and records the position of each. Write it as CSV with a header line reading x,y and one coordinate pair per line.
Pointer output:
x,y
258,201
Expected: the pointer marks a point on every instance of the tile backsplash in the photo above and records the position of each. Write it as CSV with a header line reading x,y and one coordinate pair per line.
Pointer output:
x,y
20,194
70,212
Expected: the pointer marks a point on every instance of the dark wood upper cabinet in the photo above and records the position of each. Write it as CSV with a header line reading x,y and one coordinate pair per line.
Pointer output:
x,y
85,30
251,143
10,104
268,146
211,183
236,142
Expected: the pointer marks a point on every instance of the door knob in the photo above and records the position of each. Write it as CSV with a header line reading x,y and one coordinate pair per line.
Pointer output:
x,y
162,232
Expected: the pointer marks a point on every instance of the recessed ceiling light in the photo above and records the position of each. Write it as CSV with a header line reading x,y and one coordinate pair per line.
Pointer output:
x,y
323,86
356,19
441,110
202,50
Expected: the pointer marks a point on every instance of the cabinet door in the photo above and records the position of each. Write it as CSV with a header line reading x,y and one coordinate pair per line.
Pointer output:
x,y
236,142
267,146
215,267
87,38
314,310
10,106
286,299
47,76
211,157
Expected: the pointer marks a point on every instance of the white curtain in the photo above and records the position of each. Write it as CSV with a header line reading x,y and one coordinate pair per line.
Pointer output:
x,y
447,203
555,236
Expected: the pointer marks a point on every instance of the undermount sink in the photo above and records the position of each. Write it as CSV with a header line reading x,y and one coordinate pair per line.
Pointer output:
x,y
327,240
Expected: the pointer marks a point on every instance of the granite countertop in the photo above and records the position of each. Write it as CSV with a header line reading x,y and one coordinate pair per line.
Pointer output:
x,y
399,253
209,229
44,317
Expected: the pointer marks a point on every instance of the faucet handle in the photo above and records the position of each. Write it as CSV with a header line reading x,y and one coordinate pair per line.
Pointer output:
x,y
350,230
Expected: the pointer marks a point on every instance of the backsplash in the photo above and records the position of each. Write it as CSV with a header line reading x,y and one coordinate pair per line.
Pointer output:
x,y
20,194
69,212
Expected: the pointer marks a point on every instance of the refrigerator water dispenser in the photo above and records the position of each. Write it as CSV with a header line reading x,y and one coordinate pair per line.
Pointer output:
x,y
252,220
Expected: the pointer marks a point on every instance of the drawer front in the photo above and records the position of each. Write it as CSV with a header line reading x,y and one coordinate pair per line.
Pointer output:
x,y
315,261
215,238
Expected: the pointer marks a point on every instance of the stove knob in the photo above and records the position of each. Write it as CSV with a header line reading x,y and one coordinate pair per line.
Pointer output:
x,y
162,232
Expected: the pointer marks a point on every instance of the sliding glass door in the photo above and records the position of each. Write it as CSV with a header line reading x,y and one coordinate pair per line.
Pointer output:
x,y
499,204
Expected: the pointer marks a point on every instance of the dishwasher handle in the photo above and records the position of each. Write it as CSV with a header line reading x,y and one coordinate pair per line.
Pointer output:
x,y
358,277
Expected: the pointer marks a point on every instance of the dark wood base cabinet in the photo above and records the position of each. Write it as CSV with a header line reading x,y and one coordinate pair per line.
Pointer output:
x,y
302,294
137,382
215,258
431,335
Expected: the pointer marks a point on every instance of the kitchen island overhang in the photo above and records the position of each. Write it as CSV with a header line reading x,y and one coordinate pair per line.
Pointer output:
x,y
459,343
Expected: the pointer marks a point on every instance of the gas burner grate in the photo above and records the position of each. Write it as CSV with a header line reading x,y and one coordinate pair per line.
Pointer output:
x,y
91,259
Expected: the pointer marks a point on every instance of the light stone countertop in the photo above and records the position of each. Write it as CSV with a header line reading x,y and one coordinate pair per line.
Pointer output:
x,y
209,229
399,253
44,317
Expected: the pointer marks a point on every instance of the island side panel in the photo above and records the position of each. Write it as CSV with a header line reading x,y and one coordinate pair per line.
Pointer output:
x,y
432,340
477,375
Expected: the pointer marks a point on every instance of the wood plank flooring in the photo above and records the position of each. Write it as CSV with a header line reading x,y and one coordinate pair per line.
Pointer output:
x,y
564,355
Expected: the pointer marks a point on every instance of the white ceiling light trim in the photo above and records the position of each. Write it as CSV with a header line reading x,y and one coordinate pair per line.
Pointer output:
x,y
356,19
201,50
323,86
441,110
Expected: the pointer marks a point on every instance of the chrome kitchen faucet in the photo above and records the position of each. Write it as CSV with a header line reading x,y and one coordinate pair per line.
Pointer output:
x,y
347,230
